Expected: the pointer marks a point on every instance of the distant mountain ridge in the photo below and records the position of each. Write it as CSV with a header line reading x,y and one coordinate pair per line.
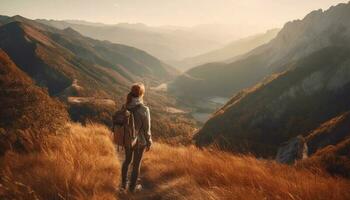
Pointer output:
x,y
296,39
57,57
230,51
163,42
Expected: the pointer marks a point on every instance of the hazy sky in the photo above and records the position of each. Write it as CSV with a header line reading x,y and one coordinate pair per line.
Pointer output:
x,y
260,13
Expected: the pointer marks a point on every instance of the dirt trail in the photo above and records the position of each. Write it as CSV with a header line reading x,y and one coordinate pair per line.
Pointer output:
x,y
149,188
153,191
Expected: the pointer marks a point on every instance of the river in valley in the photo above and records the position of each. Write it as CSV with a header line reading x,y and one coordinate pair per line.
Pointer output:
x,y
199,110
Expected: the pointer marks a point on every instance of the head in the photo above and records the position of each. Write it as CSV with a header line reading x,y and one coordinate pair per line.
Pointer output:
x,y
137,91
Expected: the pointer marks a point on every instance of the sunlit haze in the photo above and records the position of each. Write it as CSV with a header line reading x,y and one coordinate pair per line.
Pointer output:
x,y
258,14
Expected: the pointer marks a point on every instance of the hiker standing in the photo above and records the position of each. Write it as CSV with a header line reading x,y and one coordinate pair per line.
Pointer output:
x,y
134,134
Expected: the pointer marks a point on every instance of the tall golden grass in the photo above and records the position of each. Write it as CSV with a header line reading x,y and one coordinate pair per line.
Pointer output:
x,y
190,173
80,163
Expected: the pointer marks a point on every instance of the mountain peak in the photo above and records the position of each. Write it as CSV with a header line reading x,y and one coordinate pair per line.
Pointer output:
x,y
13,26
18,17
314,14
71,31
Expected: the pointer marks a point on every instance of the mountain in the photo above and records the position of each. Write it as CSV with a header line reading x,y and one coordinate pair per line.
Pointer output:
x,y
55,58
313,90
230,51
91,77
166,43
26,111
296,39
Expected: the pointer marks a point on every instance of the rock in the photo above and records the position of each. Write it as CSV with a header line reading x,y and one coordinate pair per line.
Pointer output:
x,y
294,149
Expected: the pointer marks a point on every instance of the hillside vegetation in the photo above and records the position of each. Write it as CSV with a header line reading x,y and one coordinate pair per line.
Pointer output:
x,y
329,147
77,163
81,163
191,173
43,157
26,111
333,159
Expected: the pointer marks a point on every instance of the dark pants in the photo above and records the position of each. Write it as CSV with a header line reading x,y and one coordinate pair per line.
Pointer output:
x,y
134,154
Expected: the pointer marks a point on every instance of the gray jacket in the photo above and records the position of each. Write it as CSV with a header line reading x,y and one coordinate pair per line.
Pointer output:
x,y
142,120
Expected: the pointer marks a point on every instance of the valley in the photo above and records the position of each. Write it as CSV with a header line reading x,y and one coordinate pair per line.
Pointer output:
x,y
199,109
202,109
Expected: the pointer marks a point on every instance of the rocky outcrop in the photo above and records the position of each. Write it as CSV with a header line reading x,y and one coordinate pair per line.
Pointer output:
x,y
294,149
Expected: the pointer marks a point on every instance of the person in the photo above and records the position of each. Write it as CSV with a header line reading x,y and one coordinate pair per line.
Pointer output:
x,y
142,120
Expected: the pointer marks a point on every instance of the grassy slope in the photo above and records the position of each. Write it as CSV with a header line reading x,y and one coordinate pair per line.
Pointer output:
x,y
329,147
190,173
78,163
42,157
26,111
334,159
81,163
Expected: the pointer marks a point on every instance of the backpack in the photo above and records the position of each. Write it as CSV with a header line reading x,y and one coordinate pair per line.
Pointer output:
x,y
124,133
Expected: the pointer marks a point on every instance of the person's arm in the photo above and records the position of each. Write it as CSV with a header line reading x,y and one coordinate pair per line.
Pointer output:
x,y
147,128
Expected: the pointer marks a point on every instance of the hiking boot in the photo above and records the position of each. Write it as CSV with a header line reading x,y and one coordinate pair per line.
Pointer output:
x,y
123,187
137,188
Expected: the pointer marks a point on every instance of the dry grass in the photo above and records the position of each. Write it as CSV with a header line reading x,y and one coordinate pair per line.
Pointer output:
x,y
333,159
81,163
190,173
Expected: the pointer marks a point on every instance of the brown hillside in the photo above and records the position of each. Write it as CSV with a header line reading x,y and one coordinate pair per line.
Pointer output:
x,y
313,91
331,132
26,111
54,58
329,147
334,159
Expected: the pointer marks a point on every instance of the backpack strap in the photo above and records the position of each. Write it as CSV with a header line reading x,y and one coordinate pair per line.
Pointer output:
x,y
133,110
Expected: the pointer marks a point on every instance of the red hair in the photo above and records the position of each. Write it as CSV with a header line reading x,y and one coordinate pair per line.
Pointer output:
x,y
137,90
